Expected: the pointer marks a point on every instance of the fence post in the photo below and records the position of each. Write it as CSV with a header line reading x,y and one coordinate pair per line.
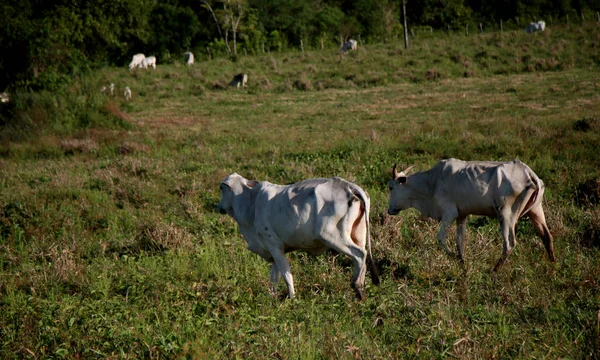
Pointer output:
x,y
582,17
567,19
263,47
598,15
301,46
412,32
501,29
467,29
208,51
481,28
322,44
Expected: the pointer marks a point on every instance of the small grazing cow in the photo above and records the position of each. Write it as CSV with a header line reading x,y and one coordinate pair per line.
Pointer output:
x,y
312,215
149,61
4,97
127,93
454,189
136,61
239,79
189,58
348,45
535,26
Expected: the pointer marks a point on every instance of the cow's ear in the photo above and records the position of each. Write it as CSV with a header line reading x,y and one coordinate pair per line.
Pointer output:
x,y
252,183
401,179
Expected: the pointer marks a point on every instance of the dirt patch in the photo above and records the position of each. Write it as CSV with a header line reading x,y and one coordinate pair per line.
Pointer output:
x,y
587,193
590,236
173,121
587,124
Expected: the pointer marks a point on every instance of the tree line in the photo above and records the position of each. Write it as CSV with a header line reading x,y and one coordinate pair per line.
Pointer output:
x,y
43,43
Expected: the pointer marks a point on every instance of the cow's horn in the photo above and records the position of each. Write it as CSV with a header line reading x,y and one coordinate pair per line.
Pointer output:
x,y
395,172
408,169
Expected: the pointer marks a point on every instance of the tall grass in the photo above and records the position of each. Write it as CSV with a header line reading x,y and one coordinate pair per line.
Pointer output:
x,y
110,245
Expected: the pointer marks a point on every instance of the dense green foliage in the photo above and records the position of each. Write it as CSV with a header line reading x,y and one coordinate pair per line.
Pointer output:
x,y
110,246
44,42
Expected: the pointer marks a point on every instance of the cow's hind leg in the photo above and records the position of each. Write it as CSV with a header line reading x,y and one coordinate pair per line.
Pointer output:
x,y
507,228
358,256
536,214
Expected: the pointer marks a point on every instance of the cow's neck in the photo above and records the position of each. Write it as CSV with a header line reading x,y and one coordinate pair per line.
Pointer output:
x,y
244,208
422,194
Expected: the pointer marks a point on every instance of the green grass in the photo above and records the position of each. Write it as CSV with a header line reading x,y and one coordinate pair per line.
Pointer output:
x,y
110,245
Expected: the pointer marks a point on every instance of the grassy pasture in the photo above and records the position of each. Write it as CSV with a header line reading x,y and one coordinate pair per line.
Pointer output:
x,y
111,246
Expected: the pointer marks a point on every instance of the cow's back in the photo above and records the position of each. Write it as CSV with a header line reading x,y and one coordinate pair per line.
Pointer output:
x,y
299,212
475,186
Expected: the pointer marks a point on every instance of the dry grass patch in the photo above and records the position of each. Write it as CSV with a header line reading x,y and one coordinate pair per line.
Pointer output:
x,y
72,146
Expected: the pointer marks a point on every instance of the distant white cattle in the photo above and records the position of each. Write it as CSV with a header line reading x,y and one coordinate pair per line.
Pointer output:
x,y
349,45
239,79
189,58
454,189
136,61
4,97
535,26
127,93
149,61
313,215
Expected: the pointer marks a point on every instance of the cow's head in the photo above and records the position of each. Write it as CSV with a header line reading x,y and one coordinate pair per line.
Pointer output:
x,y
232,186
400,194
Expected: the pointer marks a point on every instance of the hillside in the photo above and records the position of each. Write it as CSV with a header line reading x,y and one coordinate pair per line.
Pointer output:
x,y
111,246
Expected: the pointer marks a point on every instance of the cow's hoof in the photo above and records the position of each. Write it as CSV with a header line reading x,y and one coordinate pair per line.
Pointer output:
x,y
361,295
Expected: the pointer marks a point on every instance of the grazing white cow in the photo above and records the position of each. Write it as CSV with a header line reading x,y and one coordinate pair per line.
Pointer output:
x,y
349,45
136,61
454,189
189,58
149,61
239,79
4,97
127,93
312,215
535,26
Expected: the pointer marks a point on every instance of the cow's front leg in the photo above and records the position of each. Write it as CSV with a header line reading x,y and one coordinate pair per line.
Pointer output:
x,y
442,234
275,277
461,230
284,269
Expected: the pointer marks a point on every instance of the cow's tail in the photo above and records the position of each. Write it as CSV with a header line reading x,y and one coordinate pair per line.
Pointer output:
x,y
364,198
538,185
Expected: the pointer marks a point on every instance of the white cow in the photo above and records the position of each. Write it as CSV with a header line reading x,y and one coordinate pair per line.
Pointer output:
x,y
149,61
127,93
4,97
239,79
535,26
348,45
454,189
313,215
189,58
136,61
